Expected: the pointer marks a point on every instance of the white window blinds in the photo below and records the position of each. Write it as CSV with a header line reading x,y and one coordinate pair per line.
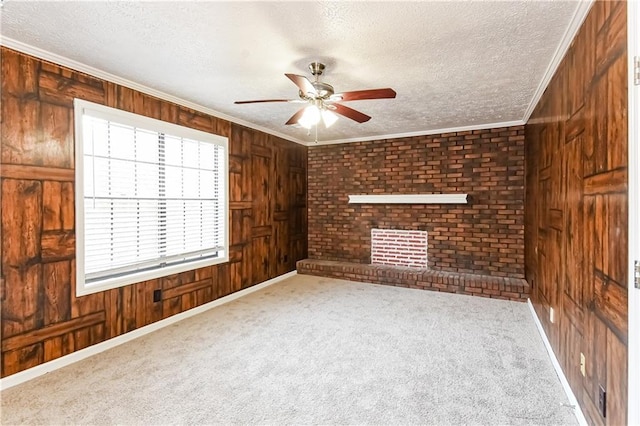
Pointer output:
x,y
153,196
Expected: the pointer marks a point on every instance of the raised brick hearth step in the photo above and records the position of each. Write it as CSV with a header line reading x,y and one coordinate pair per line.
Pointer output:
x,y
451,282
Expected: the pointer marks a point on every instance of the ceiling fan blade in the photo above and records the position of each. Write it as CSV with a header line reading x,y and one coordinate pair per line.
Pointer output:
x,y
358,95
303,83
295,117
262,101
350,113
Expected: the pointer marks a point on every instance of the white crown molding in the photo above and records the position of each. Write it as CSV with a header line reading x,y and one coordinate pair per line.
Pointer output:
x,y
421,133
567,38
73,357
79,66
408,199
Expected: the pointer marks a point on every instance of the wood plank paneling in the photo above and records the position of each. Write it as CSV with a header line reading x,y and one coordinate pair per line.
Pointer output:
x,y
57,290
261,191
19,144
147,311
573,275
20,308
52,206
261,259
577,203
57,245
282,247
186,288
42,317
33,337
195,120
616,380
223,280
606,182
60,90
57,135
23,80
21,222
15,171
20,359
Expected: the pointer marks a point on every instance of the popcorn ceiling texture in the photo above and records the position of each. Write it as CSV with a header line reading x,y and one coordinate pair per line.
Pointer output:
x,y
485,236
452,63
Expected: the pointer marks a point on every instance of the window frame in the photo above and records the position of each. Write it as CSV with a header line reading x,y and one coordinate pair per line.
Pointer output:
x,y
137,120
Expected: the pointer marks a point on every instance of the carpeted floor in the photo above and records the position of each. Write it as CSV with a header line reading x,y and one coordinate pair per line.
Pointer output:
x,y
312,350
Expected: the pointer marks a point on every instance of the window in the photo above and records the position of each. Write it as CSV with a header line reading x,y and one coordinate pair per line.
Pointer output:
x,y
151,198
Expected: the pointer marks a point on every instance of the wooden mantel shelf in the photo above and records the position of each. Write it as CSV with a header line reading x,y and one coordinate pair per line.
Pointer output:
x,y
408,199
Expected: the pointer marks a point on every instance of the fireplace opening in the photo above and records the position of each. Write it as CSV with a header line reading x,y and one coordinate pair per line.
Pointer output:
x,y
399,247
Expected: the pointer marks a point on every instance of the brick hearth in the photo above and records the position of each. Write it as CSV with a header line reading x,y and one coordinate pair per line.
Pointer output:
x,y
450,282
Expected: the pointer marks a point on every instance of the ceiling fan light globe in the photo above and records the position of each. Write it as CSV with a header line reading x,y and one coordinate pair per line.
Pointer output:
x,y
305,124
329,118
310,117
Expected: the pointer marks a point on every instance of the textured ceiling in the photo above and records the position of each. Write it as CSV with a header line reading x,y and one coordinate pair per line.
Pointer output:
x,y
452,64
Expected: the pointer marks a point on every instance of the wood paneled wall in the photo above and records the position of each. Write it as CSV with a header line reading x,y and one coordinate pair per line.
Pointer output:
x,y
42,319
576,211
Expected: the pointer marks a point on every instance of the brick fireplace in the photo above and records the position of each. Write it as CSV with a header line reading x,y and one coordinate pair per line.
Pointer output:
x,y
474,248
485,236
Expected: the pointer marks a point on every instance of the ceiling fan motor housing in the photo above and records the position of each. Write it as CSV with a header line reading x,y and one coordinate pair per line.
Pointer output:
x,y
324,90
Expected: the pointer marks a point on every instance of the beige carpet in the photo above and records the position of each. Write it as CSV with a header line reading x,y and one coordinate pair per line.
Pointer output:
x,y
313,350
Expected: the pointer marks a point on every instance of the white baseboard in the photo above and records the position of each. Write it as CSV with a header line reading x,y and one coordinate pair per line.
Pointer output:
x,y
39,370
556,365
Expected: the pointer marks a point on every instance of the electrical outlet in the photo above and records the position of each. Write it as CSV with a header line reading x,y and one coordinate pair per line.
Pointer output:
x,y
157,295
602,401
583,364
552,315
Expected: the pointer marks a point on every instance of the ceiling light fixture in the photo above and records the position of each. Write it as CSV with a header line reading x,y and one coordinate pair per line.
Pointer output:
x,y
322,102
314,113
310,117
329,118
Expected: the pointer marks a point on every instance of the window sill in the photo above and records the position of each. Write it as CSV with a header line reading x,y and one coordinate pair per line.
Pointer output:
x,y
83,289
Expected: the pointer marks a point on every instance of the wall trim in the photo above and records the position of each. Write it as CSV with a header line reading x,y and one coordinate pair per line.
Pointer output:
x,y
408,199
95,72
556,365
47,367
421,133
567,38
633,232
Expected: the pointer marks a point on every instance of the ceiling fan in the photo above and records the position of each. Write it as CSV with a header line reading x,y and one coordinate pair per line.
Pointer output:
x,y
323,102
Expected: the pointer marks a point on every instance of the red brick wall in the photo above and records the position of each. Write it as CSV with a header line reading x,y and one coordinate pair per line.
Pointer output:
x,y
484,236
